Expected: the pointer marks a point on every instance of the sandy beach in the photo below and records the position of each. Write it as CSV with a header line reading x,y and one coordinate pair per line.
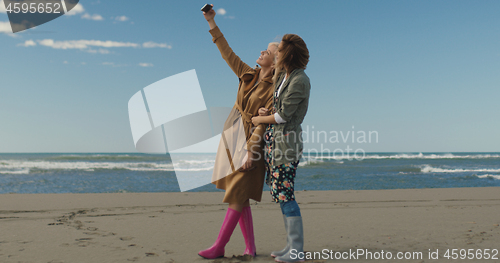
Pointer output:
x,y
173,227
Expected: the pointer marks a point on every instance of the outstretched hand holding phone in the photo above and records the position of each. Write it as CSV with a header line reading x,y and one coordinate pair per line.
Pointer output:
x,y
209,15
206,8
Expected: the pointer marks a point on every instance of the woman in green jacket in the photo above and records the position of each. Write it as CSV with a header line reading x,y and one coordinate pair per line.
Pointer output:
x,y
283,138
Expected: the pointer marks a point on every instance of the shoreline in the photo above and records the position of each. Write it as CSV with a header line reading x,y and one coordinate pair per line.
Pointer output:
x,y
173,227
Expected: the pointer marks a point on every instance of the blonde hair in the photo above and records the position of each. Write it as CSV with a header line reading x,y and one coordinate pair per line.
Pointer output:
x,y
275,58
276,44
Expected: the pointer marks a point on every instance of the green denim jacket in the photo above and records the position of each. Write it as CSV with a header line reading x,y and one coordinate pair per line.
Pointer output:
x,y
292,104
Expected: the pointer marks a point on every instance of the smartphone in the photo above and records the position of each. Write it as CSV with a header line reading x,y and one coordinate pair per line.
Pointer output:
x,y
206,8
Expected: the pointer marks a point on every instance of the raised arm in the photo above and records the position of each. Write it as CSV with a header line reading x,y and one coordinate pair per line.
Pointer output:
x,y
234,62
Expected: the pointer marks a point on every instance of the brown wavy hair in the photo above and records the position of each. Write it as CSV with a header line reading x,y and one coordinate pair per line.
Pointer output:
x,y
295,54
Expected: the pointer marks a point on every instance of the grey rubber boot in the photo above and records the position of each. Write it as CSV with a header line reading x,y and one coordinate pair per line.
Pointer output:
x,y
295,233
283,251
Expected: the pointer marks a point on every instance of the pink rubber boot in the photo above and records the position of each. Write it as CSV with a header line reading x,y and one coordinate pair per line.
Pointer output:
x,y
246,225
217,249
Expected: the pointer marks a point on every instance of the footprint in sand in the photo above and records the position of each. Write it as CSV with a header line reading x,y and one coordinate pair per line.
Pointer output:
x,y
92,233
83,242
126,238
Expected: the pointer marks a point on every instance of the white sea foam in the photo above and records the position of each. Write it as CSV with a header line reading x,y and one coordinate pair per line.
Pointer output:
x,y
309,162
430,169
198,161
16,171
24,167
313,160
411,156
489,176
194,169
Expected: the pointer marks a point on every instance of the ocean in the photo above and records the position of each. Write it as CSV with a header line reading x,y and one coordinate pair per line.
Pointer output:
x,y
134,172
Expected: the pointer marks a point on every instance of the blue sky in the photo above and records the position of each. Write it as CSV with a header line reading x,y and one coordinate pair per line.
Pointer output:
x,y
424,75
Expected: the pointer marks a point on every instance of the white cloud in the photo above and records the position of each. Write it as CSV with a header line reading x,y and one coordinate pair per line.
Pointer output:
x,y
28,43
221,11
145,65
84,44
2,7
112,64
91,46
100,51
94,17
121,18
78,9
5,27
151,44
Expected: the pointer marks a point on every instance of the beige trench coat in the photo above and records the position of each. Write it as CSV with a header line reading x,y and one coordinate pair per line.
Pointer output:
x,y
251,96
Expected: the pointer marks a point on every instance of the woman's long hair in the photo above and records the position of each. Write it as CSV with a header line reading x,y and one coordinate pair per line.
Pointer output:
x,y
294,54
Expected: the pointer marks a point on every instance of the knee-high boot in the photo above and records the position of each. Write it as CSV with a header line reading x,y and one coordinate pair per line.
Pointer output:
x,y
217,249
283,251
246,225
295,234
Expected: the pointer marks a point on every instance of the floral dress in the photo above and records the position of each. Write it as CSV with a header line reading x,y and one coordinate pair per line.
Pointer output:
x,y
280,178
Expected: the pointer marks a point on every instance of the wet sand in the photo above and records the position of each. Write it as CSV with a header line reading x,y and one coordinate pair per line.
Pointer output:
x,y
173,227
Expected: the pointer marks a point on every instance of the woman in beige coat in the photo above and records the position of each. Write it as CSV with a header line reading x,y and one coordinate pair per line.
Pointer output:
x,y
245,181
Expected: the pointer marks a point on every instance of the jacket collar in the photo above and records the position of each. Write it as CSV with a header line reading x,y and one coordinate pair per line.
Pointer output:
x,y
287,81
268,79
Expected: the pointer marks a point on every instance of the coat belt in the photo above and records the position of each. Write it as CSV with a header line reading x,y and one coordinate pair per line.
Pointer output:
x,y
247,117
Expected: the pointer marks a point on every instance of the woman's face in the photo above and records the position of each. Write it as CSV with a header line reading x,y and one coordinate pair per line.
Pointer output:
x,y
266,58
278,53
